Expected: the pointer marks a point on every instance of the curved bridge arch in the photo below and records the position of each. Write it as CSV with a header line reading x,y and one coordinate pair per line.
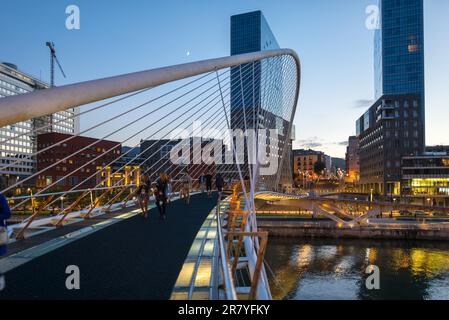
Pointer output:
x,y
40,103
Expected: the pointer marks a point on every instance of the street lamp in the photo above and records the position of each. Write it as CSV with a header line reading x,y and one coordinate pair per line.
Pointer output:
x,y
62,203
32,199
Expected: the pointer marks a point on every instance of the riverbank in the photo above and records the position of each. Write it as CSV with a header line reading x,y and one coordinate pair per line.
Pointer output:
x,y
309,229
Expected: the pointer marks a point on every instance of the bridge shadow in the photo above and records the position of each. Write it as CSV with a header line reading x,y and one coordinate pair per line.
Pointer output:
x,y
135,259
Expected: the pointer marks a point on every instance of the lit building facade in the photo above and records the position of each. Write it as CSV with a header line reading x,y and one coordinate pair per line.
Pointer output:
x,y
425,179
352,160
304,163
18,141
394,126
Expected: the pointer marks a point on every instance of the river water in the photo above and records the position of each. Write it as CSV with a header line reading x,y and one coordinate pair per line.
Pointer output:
x,y
327,269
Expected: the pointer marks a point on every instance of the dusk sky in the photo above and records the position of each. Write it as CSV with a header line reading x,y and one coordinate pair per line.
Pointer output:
x,y
330,36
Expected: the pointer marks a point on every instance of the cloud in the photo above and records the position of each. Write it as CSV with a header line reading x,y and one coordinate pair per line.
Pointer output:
x,y
309,143
362,103
312,145
315,142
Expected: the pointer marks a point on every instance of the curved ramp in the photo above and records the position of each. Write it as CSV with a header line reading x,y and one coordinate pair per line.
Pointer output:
x,y
134,259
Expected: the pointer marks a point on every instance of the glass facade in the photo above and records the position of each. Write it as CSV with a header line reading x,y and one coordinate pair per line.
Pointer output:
x,y
250,32
399,48
425,179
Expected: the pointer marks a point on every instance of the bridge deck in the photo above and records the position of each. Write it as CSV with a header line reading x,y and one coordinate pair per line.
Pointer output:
x,y
136,258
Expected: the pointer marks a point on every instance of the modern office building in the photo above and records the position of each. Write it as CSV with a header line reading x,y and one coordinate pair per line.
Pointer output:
x,y
425,178
388,131
250,32
352,160
92,165
18,141
394,126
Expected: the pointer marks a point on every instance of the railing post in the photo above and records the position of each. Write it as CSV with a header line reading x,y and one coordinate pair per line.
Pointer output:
x,y
259,265
21,234
67,210
117,196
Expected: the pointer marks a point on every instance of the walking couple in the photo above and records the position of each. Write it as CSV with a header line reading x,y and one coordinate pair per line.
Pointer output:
x,y
160,192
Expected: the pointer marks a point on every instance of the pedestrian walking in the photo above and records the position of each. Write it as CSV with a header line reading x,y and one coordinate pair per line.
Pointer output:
x,y
169,189
208,178
219,183
143,195
161,194
185,188
202,182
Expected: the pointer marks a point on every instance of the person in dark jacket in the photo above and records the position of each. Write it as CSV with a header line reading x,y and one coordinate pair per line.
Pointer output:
x,y
161,194
5,214
219,182
208,178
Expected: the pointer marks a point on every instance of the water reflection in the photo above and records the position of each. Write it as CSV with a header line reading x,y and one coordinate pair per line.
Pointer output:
x,y
335,269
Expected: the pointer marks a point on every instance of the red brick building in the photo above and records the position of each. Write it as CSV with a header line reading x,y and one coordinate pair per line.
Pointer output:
x,y
98,153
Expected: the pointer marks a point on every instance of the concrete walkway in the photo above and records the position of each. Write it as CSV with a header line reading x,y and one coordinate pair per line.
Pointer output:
x,y
136,258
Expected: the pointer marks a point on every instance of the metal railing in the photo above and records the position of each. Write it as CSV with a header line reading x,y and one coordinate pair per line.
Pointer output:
x,y
229,286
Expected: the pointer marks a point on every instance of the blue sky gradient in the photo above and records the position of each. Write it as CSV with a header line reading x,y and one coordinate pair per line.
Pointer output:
x,y
330,37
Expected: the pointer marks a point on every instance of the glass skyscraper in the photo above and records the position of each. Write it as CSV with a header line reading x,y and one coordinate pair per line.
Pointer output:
x,y
399,48
250,32
394,126
262,86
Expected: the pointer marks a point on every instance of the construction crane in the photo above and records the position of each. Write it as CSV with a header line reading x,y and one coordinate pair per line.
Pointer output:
x,y
53,58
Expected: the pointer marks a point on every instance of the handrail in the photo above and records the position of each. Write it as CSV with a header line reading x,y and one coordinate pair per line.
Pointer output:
x,y
227,277
69,192
42,195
